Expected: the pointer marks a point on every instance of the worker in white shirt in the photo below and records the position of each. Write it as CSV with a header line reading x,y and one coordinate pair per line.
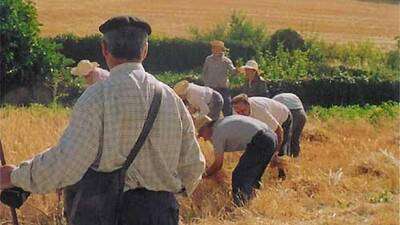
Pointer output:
x,y
204,100
259,108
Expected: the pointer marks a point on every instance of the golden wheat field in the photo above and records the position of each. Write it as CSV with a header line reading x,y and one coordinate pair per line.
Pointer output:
x,y
348,174
332,20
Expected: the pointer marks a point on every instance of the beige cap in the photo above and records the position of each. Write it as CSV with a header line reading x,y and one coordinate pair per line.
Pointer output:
x,y
201,121
251,64
84,67
181,87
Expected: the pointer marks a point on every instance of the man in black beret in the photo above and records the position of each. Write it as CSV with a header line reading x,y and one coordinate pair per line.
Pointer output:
x,y
105,124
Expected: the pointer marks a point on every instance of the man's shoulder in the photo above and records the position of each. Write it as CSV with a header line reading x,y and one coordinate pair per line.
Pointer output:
x,y
259,99
91,97
226,59
279,105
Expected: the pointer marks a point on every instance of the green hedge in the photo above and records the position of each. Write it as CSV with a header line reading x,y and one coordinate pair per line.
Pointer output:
x,y
324,92
164,54
338,91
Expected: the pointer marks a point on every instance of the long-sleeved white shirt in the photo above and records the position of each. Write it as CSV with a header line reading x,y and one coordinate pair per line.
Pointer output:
x,y
199,97
269,111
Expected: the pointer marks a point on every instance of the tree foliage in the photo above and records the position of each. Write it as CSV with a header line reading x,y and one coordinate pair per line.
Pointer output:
x,y
26,59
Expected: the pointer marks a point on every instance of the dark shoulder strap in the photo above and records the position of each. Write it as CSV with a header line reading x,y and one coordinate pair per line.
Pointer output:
x,y
148,124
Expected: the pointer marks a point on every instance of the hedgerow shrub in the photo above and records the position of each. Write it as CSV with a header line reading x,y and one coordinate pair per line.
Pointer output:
x,y
393,59
289,39
239,29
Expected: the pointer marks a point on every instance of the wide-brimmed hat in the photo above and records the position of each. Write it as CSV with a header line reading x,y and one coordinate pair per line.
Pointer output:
x,y
217,43
181,87
201,121
251,64
84,67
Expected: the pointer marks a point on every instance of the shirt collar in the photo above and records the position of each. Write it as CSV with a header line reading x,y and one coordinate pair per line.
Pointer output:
x,y
126,67
218,57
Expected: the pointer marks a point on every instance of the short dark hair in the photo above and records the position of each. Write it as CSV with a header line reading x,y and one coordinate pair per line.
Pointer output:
x,y
208,125
126,42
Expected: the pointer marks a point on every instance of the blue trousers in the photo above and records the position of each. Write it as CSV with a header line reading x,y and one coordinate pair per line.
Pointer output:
x,y
226,95
248,173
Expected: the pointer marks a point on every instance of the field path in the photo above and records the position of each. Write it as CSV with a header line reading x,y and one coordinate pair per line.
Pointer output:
x,y
333,20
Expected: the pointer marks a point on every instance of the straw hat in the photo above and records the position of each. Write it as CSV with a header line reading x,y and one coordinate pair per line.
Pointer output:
x,y
201,121
251,64
84,67
217,43
181,87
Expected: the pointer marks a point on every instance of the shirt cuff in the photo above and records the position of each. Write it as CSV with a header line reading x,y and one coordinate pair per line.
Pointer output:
x,y
189,188
20,178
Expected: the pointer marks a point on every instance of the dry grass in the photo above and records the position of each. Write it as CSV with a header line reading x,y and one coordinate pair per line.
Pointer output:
x,y
348,174
333,20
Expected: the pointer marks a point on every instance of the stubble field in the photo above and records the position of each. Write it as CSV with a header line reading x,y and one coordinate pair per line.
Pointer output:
x,y
348,173
332,20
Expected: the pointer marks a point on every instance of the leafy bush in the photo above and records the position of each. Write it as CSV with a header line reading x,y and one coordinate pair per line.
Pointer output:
x,y
393,59
364,56
19,30
287,65
26,59
239,29
288,38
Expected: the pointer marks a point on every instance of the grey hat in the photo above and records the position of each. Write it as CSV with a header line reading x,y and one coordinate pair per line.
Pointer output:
x,y
124,21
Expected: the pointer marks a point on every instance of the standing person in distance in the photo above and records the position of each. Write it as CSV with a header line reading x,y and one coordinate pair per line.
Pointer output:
x,y
255,85
216,69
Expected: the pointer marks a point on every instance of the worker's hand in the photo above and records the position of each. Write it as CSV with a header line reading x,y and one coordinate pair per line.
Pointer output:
x,y
205,175
5,176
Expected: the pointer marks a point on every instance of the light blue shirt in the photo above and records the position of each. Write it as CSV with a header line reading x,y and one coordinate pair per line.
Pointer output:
x,y
290,100
233,133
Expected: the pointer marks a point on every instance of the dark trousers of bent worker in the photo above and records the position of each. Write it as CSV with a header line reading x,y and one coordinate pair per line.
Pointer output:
x,y
287,136
226,95
144,207
252,164
299,120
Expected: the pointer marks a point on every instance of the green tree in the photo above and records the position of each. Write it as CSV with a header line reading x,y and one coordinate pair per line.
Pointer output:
x,y
25,58
290,40
239,29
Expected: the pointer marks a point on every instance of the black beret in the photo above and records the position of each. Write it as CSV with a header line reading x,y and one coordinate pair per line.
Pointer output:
x,y
124,21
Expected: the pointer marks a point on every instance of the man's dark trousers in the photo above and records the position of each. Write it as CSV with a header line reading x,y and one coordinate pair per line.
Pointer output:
x,y
252,164
226,95
287,136
144,207
299,120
